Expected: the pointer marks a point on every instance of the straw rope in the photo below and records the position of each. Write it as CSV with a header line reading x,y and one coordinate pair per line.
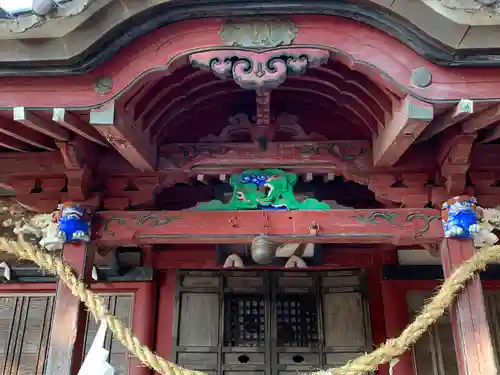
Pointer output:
x,y
366,363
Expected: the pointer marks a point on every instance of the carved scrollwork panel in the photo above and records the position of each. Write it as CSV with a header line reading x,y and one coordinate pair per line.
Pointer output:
x,y
259,71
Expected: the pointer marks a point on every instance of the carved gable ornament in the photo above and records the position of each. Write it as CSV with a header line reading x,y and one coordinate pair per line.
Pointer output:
x,y
258,33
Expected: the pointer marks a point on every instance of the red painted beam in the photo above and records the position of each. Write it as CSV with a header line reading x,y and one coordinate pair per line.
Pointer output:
x,y
399,226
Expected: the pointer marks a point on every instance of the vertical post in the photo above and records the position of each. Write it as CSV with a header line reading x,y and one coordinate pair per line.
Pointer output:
x,y
66,344
471,332
396,319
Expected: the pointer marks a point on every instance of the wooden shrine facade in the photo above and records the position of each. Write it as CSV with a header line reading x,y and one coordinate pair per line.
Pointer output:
x,y
372,132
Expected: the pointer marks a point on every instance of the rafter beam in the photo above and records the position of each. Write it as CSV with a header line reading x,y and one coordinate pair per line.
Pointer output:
x,y
130,141
407,123
71,122
27,135
493,134
482,120
30,120
459,112
13,144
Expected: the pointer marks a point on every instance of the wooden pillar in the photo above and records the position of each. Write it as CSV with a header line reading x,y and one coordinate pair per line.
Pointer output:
x,y
376,305
143,323
66,345
396,319
469,321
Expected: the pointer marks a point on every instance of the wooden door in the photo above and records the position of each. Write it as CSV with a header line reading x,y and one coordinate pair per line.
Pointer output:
x,y
434,353
25,327
260,322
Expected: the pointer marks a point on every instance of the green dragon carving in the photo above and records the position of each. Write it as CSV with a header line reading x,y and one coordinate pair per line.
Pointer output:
x,y
263,189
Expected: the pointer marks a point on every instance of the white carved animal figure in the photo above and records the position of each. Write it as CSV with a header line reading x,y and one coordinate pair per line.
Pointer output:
x,y
490,221
44,229
484,238
491,218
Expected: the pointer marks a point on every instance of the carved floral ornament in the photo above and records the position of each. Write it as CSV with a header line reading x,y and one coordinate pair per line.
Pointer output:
x,y
258,33
43,10
259,70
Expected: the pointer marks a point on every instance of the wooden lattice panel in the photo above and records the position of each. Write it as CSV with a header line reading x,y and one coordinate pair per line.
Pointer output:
x,y
25,328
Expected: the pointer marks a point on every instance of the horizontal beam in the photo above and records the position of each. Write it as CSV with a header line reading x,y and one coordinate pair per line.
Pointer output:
x,y
430,272
32,274
398,226
31,163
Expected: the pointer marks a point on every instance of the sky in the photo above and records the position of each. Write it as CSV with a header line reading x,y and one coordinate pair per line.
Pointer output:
x,y
12,5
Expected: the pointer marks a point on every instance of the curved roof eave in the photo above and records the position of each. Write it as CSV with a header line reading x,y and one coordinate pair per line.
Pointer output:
x,y
90,41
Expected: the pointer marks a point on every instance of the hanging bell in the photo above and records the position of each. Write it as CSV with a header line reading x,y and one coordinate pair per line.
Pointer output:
x,y
263,250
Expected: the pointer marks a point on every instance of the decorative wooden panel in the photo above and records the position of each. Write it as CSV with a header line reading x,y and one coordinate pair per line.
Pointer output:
x,y
434,354
25,325
346,319
262,322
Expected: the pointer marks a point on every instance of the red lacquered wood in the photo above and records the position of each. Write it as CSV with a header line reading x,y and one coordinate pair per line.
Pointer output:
x,y
398,226
166,312
471,332
396,320
364,48
66,345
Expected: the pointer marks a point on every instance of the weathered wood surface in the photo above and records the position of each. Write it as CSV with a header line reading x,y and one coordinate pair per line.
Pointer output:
x,y
471,332
67,344
399,226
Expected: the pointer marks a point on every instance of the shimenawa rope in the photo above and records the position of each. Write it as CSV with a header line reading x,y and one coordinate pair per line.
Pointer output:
x,y
392,348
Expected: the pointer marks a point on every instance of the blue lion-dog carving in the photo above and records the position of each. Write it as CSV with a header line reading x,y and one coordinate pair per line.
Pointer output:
x,y
74,222
461,216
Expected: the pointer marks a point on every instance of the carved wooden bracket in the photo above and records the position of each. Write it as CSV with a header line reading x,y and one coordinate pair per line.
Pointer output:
x,y
240,126
260,71
454,158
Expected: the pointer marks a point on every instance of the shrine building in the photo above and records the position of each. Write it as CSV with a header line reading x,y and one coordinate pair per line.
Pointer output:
x,y
264,179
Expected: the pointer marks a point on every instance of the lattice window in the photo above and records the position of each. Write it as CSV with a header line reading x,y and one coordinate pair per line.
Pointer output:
x,y
244,320
297,320
269,322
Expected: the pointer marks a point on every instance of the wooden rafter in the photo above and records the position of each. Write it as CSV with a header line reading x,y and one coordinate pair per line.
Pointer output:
x,y
71,122
130,141
13,144
30,120
459,112
493,134
408,122
27,135
482,120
